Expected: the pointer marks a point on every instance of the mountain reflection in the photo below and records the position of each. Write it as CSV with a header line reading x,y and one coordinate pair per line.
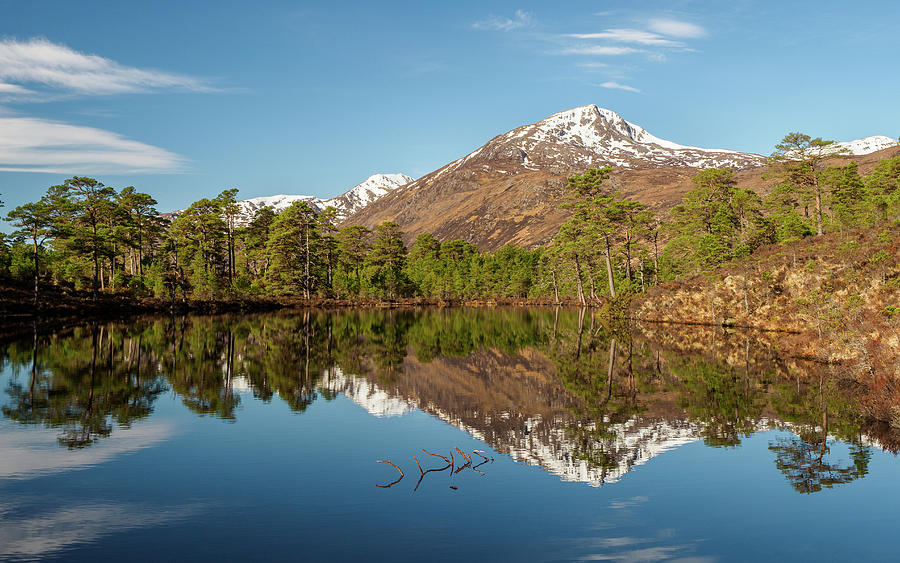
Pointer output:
x,y
550,387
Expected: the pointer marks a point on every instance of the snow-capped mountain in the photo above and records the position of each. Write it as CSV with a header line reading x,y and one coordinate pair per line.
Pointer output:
x,y
278,203
509,189
346,204
365,193
591,136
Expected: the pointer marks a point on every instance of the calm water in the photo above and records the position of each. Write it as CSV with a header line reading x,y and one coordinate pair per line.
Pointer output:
x,y
258,438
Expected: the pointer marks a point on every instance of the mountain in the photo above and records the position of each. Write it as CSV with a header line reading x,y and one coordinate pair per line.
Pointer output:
x,y
361,195
509,189
589,137
349,202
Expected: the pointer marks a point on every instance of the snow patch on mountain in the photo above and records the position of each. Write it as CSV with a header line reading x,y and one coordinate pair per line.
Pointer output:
x,y
591,136
866,145
362,194
278,203
348,203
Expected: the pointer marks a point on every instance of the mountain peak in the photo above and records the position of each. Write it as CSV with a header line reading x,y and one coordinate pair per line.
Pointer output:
x,y
591,136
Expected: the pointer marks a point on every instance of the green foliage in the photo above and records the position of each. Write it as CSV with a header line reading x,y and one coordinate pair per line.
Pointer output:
x,y
716,222
91,236
292,250
384,274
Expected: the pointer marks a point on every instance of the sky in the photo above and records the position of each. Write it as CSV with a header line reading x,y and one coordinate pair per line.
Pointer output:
x,y
185,99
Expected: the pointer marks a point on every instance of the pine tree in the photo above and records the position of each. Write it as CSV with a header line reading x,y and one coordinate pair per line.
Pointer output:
x,y
385,263
796,160
353,244
292,251
85,208
34,221
230,212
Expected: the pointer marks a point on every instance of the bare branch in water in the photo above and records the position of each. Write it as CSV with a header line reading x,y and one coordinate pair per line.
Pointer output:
x,y
422,476
436,455
395,467
468,463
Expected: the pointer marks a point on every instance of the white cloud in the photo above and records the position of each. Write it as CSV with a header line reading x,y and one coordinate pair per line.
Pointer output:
x,y
616,86
29,144
39,61
676,28
628,36
601,50
14,89
593,64
498,23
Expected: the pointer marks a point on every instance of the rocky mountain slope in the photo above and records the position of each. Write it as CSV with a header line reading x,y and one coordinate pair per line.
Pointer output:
x,y
509,189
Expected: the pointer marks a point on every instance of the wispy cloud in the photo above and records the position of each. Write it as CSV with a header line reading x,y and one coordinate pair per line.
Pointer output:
x,y
616,86
652,41
600,50
593,65
13,89
501,23
676,28
629,36
58,67
29,144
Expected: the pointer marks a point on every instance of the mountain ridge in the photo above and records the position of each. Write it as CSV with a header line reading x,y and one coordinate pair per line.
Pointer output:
x,y
354,199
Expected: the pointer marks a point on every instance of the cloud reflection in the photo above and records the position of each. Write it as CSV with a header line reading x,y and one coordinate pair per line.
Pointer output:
x,y
47,533
32,452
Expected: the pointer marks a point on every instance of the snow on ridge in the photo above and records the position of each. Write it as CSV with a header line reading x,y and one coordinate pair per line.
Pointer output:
x,y
366,192
594,136
866,145
581,122
354,199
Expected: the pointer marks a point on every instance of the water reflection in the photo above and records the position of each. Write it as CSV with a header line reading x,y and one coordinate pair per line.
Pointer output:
x,y
555,388
31,531
83,383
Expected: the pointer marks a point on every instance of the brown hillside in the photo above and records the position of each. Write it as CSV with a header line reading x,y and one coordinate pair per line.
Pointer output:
x,y
491,205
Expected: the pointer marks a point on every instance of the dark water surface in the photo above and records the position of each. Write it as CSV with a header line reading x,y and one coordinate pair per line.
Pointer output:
x,y
257,437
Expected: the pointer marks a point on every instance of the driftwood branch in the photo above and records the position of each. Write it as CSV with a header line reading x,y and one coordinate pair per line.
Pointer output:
x,y
468,463
462,453
436,455
422,476
395,467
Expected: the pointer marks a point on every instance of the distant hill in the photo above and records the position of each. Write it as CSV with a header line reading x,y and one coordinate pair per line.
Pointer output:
x,y
349,202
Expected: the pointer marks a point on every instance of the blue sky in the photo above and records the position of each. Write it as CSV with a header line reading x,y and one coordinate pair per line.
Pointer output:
x,y
184,99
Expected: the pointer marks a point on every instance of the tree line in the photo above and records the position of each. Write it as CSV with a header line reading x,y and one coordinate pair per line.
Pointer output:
x,y
86,235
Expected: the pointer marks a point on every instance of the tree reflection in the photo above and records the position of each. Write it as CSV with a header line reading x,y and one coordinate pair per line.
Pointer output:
x,y
805,466
84,384
560,381
727,403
